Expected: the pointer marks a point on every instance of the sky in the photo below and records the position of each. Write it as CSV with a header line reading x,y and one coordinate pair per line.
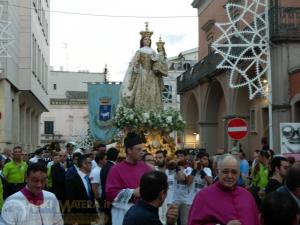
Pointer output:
x,y
83,42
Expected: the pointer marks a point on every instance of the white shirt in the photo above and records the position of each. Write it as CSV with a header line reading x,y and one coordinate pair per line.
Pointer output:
x,y
18,211
49,164
171,183
35,159
181,189
3,157
95,177
197,185
208,171
94,164
120,206
82,176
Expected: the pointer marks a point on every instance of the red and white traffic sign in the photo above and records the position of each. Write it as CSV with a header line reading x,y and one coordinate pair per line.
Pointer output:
x,y
237,128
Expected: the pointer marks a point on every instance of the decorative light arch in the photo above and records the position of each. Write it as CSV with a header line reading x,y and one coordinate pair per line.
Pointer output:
x,y
243,49
249,45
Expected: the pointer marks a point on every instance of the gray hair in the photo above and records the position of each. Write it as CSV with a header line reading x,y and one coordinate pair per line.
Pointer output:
x,y
227,157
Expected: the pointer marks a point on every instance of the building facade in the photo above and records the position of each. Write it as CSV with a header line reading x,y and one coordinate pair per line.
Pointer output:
x,y
178,65
67,118
206,99
23,77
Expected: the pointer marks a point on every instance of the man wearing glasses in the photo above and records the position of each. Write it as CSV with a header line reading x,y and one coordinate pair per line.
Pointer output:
x,y
224,202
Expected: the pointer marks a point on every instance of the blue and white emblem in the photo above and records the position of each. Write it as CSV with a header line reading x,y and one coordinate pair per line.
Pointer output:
x,y
105,109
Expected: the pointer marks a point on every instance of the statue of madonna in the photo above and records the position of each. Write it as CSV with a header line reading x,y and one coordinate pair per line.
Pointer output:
x,y
143,83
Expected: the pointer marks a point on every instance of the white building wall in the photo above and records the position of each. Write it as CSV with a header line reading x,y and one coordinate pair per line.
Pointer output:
x,y
72,120
70,116
176,68
22,96
34,48
71,81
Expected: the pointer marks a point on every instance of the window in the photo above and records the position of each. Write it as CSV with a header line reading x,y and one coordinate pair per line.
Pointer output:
x,y
47,3
208,28
187,66
39,64
33,55
253,120
54,86
39,10
34,5
49,127
167,94
42,69
46,76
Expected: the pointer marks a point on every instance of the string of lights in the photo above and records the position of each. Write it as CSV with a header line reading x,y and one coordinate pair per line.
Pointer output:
x,y
105,15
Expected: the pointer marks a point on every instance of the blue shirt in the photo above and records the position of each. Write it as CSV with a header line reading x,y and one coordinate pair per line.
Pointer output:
x,y
244,167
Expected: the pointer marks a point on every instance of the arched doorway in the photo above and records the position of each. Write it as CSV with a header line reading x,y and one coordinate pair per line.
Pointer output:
x,y
297,112
192,119
212,129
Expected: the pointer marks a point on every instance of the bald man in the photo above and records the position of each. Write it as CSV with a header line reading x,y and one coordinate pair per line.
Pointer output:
x,y
224,202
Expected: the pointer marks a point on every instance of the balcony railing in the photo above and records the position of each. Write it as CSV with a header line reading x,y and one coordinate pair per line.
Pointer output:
x,y
48,138
200,71
284,26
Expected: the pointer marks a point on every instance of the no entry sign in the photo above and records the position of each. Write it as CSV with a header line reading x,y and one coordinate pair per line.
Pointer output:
x,y
237,128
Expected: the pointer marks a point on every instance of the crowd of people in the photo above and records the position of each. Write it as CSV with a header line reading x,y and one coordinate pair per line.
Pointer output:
x,y
69,186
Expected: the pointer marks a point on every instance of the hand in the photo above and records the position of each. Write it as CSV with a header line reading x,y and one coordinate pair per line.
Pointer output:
x,y
136,192
195,164
172,214
154,57
234,222
261,193
202,174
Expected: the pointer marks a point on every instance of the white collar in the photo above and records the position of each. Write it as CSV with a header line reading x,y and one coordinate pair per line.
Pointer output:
x,y
147,50
81,174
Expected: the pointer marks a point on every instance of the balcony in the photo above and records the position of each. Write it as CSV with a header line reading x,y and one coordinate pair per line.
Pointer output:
x,y
48,138
199,72
284,26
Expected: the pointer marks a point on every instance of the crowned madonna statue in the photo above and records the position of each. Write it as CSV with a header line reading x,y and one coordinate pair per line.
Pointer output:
x,y
141,105
143,83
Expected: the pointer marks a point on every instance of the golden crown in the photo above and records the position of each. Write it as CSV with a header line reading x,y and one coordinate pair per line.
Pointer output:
x,y
146,32
160,42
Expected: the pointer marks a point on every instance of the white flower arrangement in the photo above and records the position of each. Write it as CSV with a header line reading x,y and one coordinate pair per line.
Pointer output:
x,y
134,119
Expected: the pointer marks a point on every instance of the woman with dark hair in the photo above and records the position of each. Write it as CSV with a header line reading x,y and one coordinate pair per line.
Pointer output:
x,y
142,86
277,173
